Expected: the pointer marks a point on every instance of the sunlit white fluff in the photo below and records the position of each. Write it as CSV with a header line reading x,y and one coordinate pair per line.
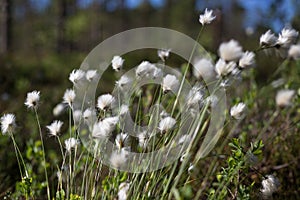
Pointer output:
x,y
203,68
230,51
270,185
123,82
123,191
247,60
194,97
32,99
166,124
143,139
122,140
223,69
118,158
89,114
54,127
105,101
238,110
294,52
101,130
8,123
76,75
170,83
104,127
77,116
91,75
70,144
58,109
287,37
69,97
123,109
117,63
163,54
267,39
145,69
284,97
207,17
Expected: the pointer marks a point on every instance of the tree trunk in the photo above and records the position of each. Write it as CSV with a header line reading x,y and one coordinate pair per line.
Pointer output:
x,y
5,26
61,26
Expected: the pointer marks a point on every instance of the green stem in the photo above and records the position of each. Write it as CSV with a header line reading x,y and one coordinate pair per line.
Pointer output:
x,y
44,158
16,151
186,70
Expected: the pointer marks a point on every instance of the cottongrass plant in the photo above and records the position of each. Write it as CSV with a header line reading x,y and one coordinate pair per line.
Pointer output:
x,y
82,174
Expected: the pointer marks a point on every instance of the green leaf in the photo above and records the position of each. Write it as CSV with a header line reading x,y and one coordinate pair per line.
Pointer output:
x,y
60,195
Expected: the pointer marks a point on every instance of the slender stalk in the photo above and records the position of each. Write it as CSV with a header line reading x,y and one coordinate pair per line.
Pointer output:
x,y
186,70
43,148
16,151
70,178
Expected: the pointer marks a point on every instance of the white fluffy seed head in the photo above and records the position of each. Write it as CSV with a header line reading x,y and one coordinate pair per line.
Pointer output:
x,y
230,51
91,75
294,52
123,82
270,185
194,97
143,139
76,75
123,191
203,68
101,130
223,69
287,37
207,17
166,124
284,97
123,109
32,99
267,39
89,114
122,140
170,83
247,60
54,127
105,101
238,111
69,97
58,109
117,63
77,116
70,144
145,69
105,127
118,158
163,54
8,123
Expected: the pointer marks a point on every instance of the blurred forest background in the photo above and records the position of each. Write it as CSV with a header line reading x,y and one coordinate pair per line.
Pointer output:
x,y
41,41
